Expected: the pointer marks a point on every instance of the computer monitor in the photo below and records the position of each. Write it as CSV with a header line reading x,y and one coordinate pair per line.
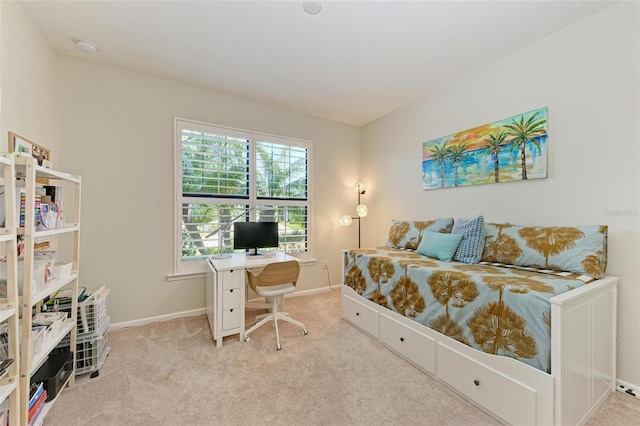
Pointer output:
x,y
254,235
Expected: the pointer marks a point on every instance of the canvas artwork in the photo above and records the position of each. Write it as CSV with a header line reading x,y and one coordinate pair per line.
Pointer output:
x,y
508,150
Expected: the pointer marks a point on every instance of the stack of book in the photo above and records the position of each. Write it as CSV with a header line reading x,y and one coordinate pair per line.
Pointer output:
x,y
37,398
48,205
48,199
63,297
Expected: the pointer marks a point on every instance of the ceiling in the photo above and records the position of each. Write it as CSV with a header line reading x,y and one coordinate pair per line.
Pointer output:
x,y
353,62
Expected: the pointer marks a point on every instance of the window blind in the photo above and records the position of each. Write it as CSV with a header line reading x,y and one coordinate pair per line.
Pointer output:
x,y
228,175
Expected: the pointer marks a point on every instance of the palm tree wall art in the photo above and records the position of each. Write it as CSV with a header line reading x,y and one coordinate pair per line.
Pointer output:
x,y
507,150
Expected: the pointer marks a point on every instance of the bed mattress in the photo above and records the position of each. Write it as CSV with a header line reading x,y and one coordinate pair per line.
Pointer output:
x,y
498,310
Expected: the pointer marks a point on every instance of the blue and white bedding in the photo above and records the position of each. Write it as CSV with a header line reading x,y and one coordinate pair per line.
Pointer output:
x,y
501,311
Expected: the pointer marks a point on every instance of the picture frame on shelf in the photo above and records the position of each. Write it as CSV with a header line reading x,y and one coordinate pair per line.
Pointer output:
x,y
21,145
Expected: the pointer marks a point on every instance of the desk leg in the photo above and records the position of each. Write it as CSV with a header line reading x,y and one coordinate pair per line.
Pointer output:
x,y
243,297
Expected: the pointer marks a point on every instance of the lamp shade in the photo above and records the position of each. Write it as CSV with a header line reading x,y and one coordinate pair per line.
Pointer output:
x,y
362,210
345,220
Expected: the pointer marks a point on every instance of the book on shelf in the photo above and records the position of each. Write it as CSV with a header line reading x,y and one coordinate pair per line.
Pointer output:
x,y
38,215
34,392
41,243
63,297
40,189
21,199
37,406
4,338
48,205
4,365
20,191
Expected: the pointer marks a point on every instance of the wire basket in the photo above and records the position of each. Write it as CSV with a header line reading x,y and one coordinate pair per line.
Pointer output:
x,y
93,313
91,349
91,353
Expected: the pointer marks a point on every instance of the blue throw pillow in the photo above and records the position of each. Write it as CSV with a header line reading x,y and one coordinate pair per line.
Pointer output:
x,y
439,245
472,244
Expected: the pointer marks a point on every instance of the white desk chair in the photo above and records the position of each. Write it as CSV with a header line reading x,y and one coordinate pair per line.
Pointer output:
x,y
275,280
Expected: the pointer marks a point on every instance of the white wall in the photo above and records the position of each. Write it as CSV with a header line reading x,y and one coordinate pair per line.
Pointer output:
x,y
29,86
116,131
587,74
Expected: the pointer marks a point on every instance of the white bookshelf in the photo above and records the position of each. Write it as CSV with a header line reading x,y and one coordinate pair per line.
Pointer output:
x,y
32,299
9,389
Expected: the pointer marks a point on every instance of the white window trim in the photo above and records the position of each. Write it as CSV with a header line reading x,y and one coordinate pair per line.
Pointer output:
x,y
195,268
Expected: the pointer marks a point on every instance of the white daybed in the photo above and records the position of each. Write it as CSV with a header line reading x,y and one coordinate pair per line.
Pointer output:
x,y
583,356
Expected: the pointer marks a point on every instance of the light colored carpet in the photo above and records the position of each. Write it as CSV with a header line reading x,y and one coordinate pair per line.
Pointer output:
x,y
171,373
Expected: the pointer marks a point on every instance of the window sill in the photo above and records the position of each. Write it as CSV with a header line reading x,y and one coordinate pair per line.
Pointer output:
x,y
181,276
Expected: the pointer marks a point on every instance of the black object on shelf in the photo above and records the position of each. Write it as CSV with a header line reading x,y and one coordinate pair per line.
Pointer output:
x,y
4,364
54,373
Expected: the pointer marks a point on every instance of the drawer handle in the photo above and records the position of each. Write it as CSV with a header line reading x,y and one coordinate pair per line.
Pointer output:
x,y
230,310
402,339
476,382
357,314
231,291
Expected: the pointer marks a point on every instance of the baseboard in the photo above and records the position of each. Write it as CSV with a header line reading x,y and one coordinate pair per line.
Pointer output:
x,y
198,312
628,388
159,318
312,291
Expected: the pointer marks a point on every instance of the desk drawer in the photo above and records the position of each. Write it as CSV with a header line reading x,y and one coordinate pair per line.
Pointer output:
x,y
232,278
409,343
230,319
360,315
506,398
231,299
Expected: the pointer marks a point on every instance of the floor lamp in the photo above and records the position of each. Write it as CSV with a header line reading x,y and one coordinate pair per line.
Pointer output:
x,y
361,210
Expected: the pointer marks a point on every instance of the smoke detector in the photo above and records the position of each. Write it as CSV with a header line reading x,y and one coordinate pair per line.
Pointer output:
x,y
312,7
86,46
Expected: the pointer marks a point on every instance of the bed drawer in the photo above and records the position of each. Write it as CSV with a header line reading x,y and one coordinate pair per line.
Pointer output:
x,y
360,315
411,344
506,398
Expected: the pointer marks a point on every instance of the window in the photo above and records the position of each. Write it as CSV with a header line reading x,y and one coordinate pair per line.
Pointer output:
x,y
226,175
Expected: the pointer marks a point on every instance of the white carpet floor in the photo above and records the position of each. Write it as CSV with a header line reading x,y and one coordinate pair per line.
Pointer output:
x,y
171,373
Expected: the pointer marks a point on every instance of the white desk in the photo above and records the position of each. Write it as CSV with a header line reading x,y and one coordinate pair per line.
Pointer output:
x,y
225,291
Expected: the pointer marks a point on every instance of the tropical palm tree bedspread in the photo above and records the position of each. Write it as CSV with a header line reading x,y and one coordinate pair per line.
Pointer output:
x,y
498,310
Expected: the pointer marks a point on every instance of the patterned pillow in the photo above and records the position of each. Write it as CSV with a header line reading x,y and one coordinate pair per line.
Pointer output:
x,y
472,244
408,234
578,249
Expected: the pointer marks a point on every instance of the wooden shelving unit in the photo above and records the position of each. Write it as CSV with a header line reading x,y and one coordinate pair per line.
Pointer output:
x,y
32,299
9,305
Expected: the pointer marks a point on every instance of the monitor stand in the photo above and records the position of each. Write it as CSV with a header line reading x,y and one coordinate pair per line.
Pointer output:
x,y
253,252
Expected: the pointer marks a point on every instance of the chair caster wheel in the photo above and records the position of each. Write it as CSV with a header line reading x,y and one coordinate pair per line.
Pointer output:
x,y
305,332
278,347
247,339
